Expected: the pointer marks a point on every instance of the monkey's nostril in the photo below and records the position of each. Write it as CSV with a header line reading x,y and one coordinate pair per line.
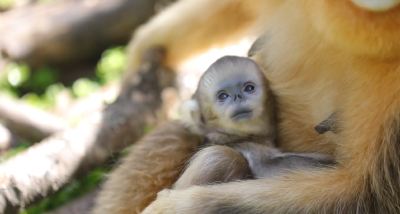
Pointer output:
x,y
234,99
240,96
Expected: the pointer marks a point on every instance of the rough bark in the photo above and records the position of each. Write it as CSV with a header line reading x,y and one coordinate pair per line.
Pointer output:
x,y
78,108
69,31
49,165
7,139
29,122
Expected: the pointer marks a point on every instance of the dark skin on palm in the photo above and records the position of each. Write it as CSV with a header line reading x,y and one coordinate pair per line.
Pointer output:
x,y
236,113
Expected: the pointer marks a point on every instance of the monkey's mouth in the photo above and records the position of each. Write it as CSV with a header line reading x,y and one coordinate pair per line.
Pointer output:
x,y
242,115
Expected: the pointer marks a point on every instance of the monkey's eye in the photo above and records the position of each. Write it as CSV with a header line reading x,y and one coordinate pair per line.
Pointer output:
x,y
222,96
249,88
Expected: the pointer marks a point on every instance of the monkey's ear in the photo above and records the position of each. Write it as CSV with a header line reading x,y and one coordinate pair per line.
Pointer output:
x,y
191,105
256,46
191,111
193,117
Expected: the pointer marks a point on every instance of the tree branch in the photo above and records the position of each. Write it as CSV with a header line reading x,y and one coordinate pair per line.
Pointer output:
x,y
29,122
69,31
49,165
7,139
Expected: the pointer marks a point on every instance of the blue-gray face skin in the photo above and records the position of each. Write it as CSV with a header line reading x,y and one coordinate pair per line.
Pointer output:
x,y
237,98
232,94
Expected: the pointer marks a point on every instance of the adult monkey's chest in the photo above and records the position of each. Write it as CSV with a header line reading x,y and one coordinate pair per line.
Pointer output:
x,y
310,81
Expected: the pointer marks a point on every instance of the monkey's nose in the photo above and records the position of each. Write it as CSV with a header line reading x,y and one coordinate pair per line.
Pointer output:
x,y
237,96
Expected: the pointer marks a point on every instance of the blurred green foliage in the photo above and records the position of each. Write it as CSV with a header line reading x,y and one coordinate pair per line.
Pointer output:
x,y
75,189
83,87
40,88
111,65
6,3
45,1
22,145
10,3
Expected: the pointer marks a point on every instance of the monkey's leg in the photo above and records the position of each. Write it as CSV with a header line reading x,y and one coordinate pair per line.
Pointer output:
x,y
154,164
282,162
190,27
214,164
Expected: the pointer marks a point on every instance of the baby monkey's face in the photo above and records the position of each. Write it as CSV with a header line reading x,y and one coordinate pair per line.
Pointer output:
x,y
232,96
239,99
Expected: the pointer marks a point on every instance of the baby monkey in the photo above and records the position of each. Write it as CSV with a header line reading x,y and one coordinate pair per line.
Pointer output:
x,y
234,109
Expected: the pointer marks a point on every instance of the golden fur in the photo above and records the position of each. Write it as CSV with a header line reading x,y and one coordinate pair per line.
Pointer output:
x,y
155,163
215,164
319,56
248,149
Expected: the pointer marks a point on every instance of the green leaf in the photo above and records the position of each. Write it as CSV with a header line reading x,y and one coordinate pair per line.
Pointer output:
x,y
112,64
17,74
83,87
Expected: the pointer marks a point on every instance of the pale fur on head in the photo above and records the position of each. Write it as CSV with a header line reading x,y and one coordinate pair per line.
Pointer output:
x,y
192,117
225,68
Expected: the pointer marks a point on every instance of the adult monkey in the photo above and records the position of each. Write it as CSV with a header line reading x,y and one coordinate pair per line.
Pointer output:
x,y
320,57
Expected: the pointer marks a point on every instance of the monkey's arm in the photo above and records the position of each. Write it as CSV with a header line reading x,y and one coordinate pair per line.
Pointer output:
x,y
297,192
192,26
265,161
154,164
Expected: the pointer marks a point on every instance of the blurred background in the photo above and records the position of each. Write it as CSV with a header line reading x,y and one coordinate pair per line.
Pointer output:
x,y
64,121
